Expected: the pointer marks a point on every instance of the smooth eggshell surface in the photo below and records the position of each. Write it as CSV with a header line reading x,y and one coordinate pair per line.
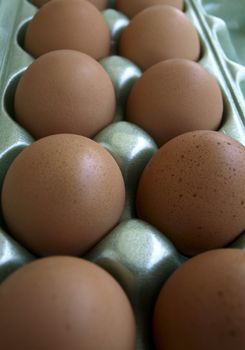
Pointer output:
x,y
193,191
62,194
64,91
64,303
173,97
159,33
202,304
74,24
132,7
100,4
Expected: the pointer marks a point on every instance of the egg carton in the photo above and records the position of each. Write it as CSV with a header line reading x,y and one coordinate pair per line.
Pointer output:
x,y
223,23
139,256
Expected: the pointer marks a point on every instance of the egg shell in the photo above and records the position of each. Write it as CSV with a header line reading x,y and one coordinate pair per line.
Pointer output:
x,y
64,91
193,191
202,304
173,97
132,7
74,24
158,33
64,303
100,4
62,194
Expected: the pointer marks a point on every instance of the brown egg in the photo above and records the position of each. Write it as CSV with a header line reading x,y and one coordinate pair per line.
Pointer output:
x,y
100,4
65,91
62,303
173,97
202,305
74,24
62,194
159,33
132,7
193,191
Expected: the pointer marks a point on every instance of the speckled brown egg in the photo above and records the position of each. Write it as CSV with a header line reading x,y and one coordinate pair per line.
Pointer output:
x,y
74,24
62,194
159,33
61,303
202,305
132,7
100,4
173,97
193,191
64,91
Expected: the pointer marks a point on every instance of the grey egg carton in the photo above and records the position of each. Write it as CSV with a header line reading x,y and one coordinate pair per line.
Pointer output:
x,y
139,256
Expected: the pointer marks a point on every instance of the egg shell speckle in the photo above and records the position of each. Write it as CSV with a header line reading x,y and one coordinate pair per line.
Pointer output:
x,y
64,303
62,194
193,191
202,305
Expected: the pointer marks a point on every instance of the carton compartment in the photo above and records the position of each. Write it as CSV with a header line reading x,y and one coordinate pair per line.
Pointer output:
x,y
232,14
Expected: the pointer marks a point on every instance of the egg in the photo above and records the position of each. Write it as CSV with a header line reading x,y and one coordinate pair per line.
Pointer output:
x,y
64,303
64,91
74,24
159,33
62,194
202,304
193,191
100,4
132,7
173,97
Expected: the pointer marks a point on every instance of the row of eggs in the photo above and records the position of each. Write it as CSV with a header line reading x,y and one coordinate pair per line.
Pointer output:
x,y
176,190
